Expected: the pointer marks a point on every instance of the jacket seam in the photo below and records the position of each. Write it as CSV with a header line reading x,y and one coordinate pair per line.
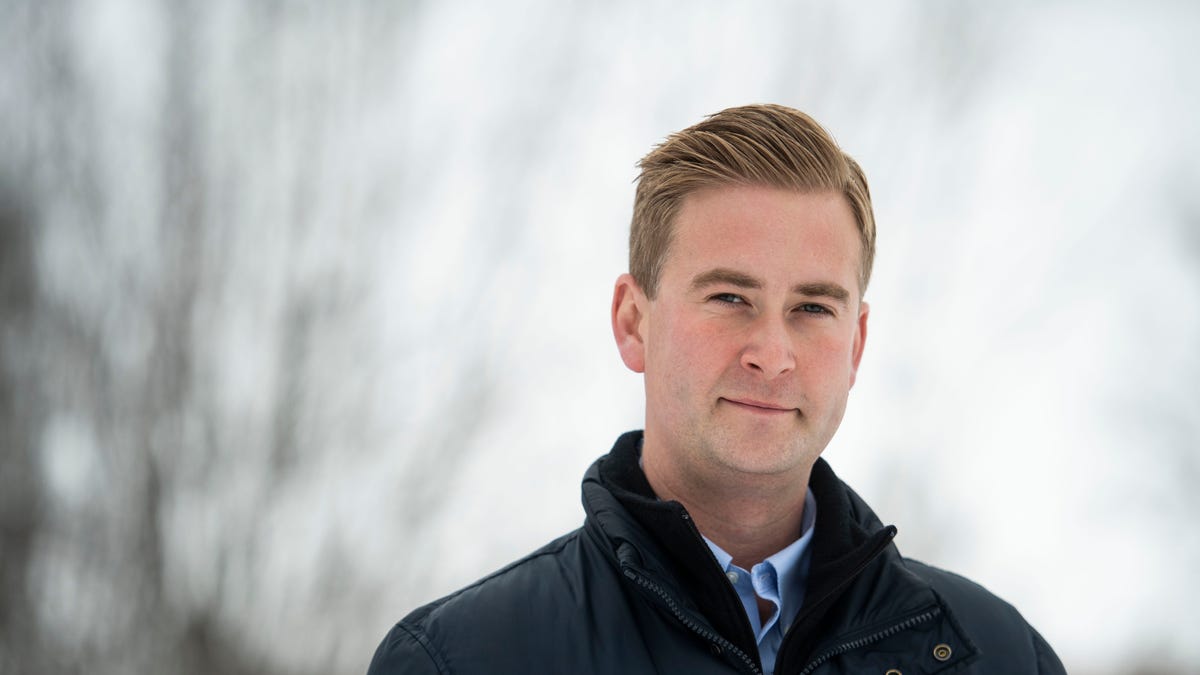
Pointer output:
x,y
431,651
1038,653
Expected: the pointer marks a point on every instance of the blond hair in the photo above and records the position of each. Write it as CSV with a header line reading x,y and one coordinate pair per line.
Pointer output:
x,y
769,145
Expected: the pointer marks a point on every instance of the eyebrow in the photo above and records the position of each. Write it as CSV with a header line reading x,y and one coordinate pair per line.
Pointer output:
x,y
823,290
724,275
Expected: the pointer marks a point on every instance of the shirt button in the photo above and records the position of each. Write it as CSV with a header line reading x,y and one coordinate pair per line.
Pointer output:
x,y
732,576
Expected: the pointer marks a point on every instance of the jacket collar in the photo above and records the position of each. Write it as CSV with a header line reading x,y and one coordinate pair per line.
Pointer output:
x,y
849,543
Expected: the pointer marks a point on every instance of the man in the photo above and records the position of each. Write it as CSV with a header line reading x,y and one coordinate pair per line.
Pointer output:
x,y
717,541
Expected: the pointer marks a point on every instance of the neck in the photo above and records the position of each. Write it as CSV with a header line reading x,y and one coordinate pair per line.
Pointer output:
x,y
750,516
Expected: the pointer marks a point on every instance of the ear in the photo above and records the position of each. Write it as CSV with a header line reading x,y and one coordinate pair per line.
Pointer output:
x,y
860,339
629,306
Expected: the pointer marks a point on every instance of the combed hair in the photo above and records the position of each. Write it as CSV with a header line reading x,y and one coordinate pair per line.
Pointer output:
x,y
767,145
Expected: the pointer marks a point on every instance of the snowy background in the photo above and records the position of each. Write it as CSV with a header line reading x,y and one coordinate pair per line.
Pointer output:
x,y
305,305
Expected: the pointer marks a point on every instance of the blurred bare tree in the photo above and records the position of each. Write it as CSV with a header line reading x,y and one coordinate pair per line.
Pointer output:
x,y
20,498
133,233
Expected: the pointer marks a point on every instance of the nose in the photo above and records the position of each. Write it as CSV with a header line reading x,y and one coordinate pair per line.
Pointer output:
x,y
769,350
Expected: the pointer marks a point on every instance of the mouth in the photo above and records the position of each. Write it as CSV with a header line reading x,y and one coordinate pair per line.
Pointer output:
x,y
760,407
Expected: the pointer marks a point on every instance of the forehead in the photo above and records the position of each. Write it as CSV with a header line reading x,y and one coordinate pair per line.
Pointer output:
x,y
783,235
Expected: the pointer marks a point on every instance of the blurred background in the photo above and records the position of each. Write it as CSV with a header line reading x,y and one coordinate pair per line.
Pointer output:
x,y
305,305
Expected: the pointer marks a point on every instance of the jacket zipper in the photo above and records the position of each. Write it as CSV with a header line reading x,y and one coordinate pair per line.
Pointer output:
x,y
862,642
687,621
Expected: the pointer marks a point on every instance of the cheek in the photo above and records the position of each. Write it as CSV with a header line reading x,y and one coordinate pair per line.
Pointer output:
x,y
826,355
691,351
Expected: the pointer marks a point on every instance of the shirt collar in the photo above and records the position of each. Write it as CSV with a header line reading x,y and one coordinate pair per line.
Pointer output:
x,y
787,562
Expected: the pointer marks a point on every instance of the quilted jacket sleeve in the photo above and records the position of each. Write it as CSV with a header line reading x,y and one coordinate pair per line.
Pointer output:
x,y
406,651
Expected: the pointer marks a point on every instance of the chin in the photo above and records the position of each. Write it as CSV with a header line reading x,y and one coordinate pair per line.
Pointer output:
x,y
765,460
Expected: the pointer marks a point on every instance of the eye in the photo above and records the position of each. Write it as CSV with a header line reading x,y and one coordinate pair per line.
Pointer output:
x,y
728,299
813,308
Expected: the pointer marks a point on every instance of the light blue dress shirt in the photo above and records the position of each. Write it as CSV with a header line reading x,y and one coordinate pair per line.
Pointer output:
x,y
780,579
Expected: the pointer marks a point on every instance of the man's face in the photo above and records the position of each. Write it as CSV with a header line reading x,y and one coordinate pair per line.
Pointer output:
x,y
751,345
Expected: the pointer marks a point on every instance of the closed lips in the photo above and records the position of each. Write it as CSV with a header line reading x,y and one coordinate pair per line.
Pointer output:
x,y
760,405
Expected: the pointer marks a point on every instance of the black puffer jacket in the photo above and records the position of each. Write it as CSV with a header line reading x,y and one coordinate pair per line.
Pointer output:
x,y
636,590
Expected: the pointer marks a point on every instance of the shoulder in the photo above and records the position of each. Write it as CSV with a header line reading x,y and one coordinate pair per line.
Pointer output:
x,y
967,597
495,615
995,625
510,584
